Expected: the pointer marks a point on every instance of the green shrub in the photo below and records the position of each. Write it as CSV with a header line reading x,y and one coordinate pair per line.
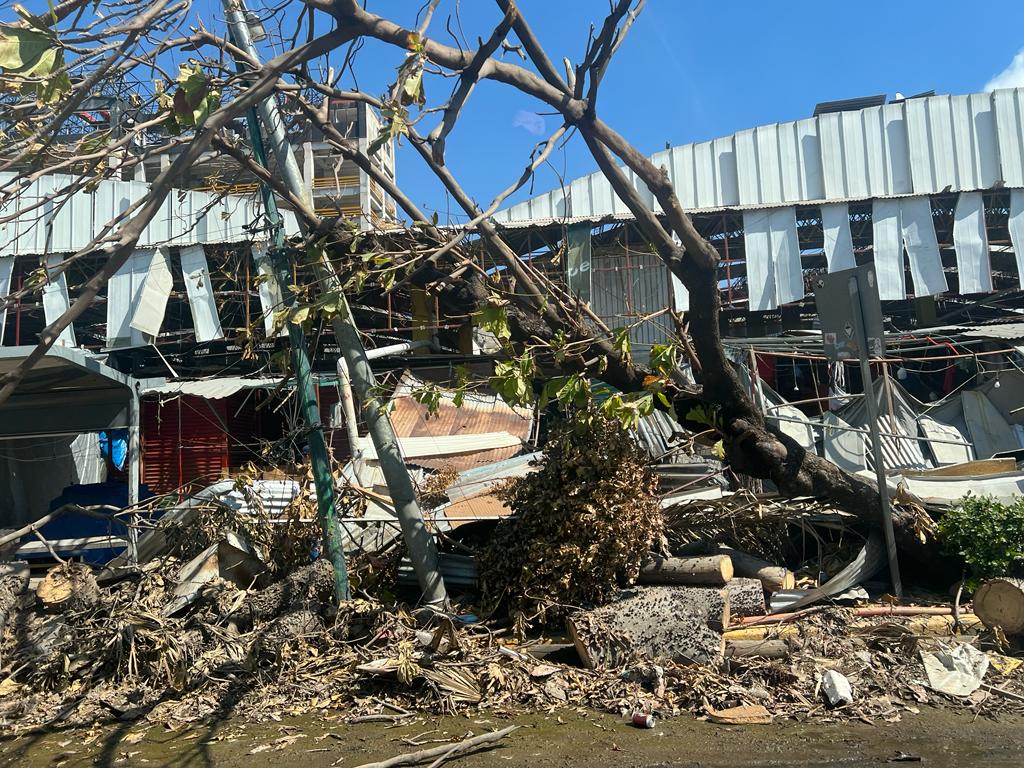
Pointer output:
x,y
988,535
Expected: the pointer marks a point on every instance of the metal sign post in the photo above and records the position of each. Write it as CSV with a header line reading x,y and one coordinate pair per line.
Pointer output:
x,y
851,326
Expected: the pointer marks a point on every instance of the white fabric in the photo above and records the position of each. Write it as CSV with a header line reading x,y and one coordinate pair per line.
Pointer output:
x,y
271,300
888,249
56,301
835,223
774,272
205,320
148,315
918,228
123,291
971,243
1017,230
6,268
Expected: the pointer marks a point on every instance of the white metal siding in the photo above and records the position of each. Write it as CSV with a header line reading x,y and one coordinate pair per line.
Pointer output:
x,y
921,147
68,224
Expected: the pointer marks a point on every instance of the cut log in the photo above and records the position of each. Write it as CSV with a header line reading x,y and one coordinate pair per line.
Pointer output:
x,y
69,587
1000,603
711,569
653,623
761,649
773,577
746,597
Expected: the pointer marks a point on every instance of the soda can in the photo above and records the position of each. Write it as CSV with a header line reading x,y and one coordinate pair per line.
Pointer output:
x,y
643,719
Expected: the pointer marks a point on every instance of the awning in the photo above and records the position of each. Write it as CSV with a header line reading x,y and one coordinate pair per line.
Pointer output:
x,y
67,392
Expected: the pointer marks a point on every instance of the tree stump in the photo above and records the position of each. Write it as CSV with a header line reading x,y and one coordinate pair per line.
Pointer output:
x,y
711,569
1000,603
653,623
70,587
746,597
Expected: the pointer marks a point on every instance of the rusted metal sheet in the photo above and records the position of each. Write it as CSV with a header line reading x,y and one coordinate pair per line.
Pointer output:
x,y
479,414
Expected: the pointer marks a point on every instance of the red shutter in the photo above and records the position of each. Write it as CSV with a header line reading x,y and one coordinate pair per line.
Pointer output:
x,y
183,442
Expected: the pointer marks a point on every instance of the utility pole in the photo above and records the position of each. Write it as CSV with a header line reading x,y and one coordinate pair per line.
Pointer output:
x,y
421,546
323,478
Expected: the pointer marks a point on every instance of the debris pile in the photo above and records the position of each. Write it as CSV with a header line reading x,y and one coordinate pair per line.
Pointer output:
x,y
582,525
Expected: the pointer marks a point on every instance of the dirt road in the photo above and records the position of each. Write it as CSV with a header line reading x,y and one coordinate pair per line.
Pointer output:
x,y
937,739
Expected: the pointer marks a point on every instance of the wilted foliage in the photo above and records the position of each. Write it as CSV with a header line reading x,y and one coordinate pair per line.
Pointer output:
x,y
583,523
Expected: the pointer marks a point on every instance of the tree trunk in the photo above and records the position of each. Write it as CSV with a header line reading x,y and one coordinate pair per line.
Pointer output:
x,y
759,649
710,569
653,622
772,577
1000,603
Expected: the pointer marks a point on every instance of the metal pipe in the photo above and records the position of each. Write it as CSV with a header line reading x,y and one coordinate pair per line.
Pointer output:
x,y
422,549
134,467
348,404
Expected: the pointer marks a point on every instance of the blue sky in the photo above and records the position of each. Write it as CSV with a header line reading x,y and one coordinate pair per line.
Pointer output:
x,y
691,71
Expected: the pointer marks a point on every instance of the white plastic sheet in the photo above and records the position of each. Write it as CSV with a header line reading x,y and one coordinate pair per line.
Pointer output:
x,y
148,314
955,669
888,249
6,268
123,291
918,228
774,273
1017,230
971,243
835,223
195,270
56,301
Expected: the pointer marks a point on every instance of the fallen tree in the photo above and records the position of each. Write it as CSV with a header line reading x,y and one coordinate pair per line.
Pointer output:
x,y
543,324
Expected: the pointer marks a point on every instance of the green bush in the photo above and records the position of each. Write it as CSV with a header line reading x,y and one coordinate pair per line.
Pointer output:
x,y
988,535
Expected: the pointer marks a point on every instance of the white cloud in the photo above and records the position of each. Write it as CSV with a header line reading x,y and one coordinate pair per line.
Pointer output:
x,y
530,122
1011,77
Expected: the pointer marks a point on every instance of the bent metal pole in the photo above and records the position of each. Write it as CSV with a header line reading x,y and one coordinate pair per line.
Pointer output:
x,y
421,546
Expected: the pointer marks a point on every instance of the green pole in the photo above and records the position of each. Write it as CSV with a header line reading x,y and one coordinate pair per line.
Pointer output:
x,y
323,479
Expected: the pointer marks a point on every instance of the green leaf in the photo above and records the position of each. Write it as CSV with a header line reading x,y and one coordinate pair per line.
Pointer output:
x,y
664,358
21,49
494,319
620,340
412,90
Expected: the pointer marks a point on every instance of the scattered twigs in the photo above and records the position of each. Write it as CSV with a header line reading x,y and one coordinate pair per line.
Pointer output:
x,y
35,526
446,752
866,612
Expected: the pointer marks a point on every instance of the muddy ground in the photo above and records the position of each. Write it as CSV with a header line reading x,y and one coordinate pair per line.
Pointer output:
x,y
935,738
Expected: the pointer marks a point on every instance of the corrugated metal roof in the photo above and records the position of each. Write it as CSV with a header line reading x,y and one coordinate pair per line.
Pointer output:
x,y
1008,331
66,224
479,414
919,146
213,389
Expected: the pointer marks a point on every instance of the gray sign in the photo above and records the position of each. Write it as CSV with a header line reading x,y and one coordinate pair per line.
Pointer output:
x,y
850,313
